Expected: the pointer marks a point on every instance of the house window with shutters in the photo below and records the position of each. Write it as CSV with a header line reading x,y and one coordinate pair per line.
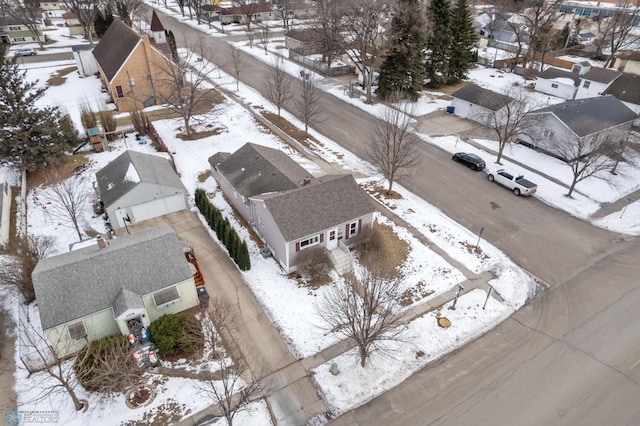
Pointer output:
x,y
308,242
77,330
119,92
353,229
166,296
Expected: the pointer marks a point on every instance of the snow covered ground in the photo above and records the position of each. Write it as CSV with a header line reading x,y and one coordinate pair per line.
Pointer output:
x,y
291,307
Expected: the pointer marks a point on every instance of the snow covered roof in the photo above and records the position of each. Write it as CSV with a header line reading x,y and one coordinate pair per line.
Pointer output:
x,y
482,97
561,76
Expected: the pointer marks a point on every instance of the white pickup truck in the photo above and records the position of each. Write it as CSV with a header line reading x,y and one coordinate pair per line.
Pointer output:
x,y
512,180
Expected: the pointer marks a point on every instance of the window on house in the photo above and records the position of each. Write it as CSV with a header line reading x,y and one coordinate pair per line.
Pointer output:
x,y
310,242
332,235
548,134
353,229
14,28
166,296
77,330
119,92
19,39
555,86
586,84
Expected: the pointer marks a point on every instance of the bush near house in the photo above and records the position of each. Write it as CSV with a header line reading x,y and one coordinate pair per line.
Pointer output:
x,y
106,365
228,236
175,333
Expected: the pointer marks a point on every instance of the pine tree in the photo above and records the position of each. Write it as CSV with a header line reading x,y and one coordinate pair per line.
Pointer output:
x,y
244,261
99,24
463,38
173,46
439,43
403,70
31,138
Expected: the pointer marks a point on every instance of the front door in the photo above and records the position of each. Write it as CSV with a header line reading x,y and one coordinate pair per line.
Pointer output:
x,y
332,240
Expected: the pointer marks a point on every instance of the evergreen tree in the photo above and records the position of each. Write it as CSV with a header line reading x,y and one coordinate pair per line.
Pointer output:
x,y
463,38
30,137
244,261
439,43
99,24
173,46
403,70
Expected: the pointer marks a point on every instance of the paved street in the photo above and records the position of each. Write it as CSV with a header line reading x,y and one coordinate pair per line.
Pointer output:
x,y
569,357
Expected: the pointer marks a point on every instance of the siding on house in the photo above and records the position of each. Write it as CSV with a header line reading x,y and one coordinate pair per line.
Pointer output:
x,y
98,325
188,299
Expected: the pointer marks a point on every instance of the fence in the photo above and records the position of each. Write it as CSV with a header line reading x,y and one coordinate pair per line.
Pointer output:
x,y
153,133
320,67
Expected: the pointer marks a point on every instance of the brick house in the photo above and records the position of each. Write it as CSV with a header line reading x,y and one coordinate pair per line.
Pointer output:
x,y
131,68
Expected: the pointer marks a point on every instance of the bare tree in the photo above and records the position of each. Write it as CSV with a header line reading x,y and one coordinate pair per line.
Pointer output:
x,y
233,387
107,365
618,150
27,13
617,32
248,9
507,116
329,27
587,155
23,254
127,10
540,16
365,24
55,366
284,12
68,198
263,34
394,146
186,87
85,11
236,64
308,103
278,85
366,311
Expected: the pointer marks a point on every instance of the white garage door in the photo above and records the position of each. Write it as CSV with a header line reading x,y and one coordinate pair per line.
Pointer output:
x,y
157,208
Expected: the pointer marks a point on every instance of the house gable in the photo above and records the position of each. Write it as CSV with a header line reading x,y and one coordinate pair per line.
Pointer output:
x,y
115,47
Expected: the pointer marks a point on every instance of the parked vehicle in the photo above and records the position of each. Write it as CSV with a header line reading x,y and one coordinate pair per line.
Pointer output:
x,y
472,161
515,182
26,52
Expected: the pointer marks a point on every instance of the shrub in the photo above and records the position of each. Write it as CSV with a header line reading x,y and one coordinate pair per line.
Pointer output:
x,y
173,333
106,365
313,262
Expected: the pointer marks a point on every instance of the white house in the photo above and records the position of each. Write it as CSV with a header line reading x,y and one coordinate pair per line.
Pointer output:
x,y
86,62
596,81
112,287
571,121
289,208
136,186
478,104
557,82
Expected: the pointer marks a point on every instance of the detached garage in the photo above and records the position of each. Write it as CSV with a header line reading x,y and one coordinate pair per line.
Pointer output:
x,y
478,104
136,187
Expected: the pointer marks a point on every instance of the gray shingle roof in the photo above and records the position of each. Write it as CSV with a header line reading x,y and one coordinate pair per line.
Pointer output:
x,y
255,169
626,88
553,73
590,115
602,75
114,179
126,300
115,47
82,282
325,202
483,97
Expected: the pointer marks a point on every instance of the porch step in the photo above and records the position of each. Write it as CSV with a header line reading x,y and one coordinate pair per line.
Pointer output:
x,y
341,261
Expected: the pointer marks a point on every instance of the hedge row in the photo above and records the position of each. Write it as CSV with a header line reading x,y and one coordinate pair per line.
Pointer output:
x,y
224,231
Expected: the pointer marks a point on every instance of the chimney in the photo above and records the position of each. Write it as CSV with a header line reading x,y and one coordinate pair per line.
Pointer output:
x,y
307,180
101,242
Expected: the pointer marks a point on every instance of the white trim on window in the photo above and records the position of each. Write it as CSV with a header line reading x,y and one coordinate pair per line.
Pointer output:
x,y
166,296
77,330
309,242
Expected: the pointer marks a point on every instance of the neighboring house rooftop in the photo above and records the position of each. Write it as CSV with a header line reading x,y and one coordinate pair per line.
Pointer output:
x,y
156,25
85,281
132,168
626,88
251,8
115,47
341,192
82,47
483,97
590,115
255,169
305,36
552,73
631,55
602,75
